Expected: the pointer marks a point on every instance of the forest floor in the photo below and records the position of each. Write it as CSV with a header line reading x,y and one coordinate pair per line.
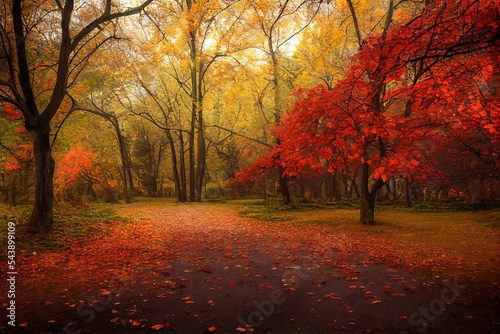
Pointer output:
x,y
209,268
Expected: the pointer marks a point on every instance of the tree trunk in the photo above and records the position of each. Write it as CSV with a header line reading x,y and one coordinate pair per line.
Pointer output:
x,y
42,218
200,145
131,187
408,194
182,167
177,181
285,192
337,191
367,207
367,198
123,155
200,171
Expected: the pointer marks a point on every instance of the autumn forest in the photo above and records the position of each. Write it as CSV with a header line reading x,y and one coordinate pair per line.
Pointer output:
x,y
355,130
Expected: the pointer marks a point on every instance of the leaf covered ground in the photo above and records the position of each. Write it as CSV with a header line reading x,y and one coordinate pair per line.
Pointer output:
x,y
204,268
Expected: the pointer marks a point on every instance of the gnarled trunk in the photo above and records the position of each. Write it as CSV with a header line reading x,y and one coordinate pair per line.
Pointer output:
x,y
42,218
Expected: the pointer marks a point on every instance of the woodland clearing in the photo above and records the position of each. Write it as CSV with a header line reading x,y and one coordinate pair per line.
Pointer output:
x,y
166,267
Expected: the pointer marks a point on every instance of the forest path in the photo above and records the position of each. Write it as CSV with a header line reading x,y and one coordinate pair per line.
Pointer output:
x,y
201,268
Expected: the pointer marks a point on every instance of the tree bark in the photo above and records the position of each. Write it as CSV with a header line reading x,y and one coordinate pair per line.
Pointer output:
x,y
367,197
367,208
182,163
123,155
42,217
200,142
409,203
177,181
285,192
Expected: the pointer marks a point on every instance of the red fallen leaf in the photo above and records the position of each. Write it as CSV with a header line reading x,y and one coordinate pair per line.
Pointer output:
x,y
157,327
186,298
134,322
403,317
310,293
388,288
331,296
189,302
212,329
376,301
52,321
398,294
115,320
241,330
105,293
290,289
24,324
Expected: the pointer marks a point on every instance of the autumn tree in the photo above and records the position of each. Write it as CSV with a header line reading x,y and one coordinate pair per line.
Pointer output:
x,y
364,118
57,40
191,36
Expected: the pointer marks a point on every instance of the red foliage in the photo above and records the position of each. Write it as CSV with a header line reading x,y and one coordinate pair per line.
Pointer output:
x,y
12,164
11,112
418,87
74,164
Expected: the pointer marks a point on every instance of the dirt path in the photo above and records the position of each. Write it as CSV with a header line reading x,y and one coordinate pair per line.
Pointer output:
x,y
202,268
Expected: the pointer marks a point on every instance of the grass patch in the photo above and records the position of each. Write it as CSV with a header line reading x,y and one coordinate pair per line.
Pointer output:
x,y
70,225
448,240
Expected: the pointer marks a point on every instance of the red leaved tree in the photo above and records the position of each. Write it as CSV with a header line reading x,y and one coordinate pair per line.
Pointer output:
x,y
400,92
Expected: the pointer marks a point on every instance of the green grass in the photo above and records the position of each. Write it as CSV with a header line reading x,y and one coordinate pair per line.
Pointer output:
x,y
70,225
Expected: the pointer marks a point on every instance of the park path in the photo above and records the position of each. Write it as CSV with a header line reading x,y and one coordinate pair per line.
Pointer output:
x,y
201,268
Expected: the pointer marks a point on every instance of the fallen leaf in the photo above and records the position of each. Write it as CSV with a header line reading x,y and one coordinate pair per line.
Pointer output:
x,y
134,323
157,327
